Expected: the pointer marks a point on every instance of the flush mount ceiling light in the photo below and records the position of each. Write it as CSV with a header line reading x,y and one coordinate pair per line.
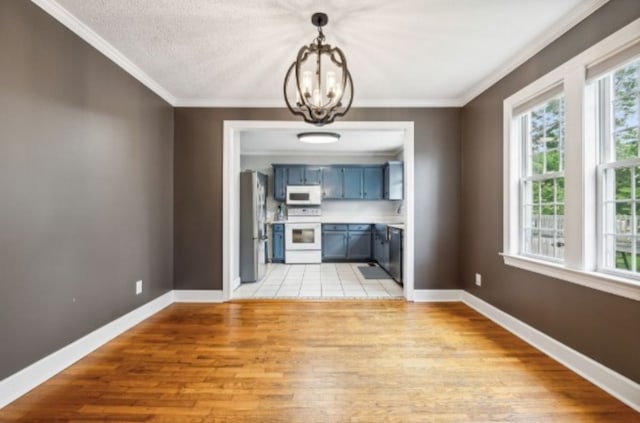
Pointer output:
x,y
318,137
319,80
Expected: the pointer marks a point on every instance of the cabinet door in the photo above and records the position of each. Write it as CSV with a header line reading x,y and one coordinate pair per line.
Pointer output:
x,y
295,175
377,248
334,245
278,246
312,175
353,183
359,245
394,181
279,183
332,183
373,178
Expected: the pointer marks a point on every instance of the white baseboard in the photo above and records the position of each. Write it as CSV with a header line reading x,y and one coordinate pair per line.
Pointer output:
x,y
236,283
437,295
612,382
28,378
197,296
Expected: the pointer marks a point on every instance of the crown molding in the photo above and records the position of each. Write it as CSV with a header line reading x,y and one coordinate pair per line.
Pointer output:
x,y
553,33
76,26
279,103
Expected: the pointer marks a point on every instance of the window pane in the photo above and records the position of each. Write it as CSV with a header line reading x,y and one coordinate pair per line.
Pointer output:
x,y
625,80
625,112
528,242
548,194
542,202
637,262
553,161
623,183
623,218
560,190
626,143
623,253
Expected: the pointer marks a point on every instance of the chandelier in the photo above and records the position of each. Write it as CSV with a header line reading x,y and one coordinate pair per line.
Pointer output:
x,y
318,85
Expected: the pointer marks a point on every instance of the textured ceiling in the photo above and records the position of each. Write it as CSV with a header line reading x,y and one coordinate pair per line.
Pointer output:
x,y
402,52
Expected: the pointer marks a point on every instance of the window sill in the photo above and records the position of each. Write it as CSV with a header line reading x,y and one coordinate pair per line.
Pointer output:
x,y
602,282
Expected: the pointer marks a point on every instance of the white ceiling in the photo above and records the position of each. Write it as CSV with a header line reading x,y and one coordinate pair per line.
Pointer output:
x,y
400,53
352,141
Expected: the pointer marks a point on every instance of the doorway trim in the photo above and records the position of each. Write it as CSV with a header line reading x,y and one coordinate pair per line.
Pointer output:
x,y
231,179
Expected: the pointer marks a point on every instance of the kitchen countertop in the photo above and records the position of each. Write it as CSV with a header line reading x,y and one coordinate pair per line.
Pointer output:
x,y
397,225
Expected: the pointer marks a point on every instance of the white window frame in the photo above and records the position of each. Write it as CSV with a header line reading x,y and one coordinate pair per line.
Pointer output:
x,y
523,135
607,164
581,180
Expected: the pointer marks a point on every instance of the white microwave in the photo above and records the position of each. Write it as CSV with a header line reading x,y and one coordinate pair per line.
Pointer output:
x,y
309,195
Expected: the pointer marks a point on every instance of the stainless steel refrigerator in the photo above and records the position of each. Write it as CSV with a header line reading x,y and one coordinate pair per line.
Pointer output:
x,y
253,225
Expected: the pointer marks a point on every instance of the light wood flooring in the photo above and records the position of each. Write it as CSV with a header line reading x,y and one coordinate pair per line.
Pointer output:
x,y
317,361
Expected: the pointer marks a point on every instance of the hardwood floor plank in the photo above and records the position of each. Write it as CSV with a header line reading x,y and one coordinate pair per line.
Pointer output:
x,y
317,361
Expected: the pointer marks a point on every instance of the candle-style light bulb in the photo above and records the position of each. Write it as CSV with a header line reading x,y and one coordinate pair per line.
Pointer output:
x,y
316,97
307,83
331,84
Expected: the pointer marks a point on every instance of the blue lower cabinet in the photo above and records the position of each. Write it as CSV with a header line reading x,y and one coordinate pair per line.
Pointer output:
x,y
277,255
381,246
334,245
342,242
359,245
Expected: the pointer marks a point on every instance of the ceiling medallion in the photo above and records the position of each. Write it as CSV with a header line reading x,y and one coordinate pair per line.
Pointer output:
x,y
318,137
318,85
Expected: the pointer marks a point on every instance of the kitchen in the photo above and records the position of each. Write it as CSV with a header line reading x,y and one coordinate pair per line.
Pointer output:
x,y
333,215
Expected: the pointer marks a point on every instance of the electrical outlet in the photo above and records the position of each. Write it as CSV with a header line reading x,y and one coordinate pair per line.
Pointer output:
x,y
138,287
478,279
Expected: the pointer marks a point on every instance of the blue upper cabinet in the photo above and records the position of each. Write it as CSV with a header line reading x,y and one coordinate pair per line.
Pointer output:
x,y
373,183
343,182
279,183
295,175
313,175
352,183
332,183
394,181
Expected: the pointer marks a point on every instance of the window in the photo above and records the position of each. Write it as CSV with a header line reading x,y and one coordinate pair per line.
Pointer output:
x,y
542,181
572,169
618,101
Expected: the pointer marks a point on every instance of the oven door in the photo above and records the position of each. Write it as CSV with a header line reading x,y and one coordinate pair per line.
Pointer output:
x,y
303,236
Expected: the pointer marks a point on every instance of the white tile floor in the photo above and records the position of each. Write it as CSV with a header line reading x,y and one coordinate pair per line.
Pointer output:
x,y
326,280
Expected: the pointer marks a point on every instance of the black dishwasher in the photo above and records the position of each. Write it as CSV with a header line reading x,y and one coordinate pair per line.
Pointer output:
x,y
395,253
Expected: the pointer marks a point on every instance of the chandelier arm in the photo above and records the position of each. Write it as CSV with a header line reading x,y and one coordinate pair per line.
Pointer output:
x,y
346,109
295,111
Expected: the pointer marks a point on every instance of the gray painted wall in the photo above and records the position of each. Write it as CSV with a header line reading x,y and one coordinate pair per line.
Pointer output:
x,y
198,191
86,190
602,326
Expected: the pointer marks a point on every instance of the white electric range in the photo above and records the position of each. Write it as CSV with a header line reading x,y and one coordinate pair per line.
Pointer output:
x,y
303,235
